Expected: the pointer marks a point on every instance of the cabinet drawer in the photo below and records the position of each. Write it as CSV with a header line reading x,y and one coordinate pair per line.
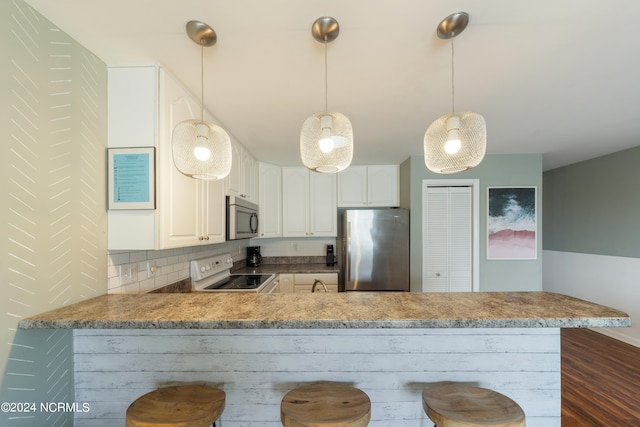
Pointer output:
x,y
309,278
319,289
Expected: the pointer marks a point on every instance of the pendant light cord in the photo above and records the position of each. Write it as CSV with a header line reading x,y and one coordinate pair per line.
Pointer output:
x,y
326,79
453,105
202,79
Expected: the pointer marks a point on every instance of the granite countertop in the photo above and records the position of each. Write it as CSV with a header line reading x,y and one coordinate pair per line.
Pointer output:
x,y
330,310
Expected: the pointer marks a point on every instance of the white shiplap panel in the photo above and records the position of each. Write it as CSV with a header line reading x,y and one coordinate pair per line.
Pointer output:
x,y
309,344
92,383
257,369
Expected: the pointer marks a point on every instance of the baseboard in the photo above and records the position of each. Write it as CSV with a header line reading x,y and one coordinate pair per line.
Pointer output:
x,y
620,336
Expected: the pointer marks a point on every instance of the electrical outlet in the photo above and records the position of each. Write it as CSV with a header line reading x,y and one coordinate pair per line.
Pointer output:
x,y
128,274
152,268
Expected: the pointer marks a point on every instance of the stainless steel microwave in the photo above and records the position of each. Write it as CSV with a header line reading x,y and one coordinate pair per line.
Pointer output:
x,y
242,219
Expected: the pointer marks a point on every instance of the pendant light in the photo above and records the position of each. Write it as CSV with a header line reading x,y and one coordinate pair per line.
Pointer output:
x,y
201,150
455,142
326,138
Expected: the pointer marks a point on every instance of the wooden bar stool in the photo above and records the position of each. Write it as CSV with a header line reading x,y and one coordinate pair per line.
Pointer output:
x,y
455,405
325,405
181,406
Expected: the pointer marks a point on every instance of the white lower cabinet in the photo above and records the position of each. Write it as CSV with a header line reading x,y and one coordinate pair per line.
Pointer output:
x,y
303,282
286,283
308,203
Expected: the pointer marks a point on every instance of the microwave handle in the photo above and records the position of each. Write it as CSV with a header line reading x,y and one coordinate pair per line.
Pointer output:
x,y
253,222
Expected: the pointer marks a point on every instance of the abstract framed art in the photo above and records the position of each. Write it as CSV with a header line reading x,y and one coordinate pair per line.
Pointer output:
x,y
512,231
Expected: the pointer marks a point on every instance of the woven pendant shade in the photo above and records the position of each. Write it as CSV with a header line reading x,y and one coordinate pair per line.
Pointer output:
x,y
201,150
472,133
326,138
455,142
326,149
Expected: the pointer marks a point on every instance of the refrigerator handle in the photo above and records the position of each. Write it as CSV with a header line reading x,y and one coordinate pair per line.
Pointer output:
x,y
347,263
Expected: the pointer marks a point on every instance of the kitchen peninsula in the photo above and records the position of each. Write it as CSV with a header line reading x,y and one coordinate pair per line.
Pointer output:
x,y
257,347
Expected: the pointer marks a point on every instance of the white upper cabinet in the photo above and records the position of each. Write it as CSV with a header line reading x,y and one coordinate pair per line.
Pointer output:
x,y
308,203
145,104
243,178
369,186
270,197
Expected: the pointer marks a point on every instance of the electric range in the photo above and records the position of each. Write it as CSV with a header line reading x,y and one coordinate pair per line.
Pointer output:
x,y
213,274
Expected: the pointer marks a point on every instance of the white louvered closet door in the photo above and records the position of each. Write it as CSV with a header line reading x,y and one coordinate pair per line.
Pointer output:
x,y
447,264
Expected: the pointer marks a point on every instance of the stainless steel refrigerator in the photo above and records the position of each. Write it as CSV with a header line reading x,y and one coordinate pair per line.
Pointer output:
x,y
373,250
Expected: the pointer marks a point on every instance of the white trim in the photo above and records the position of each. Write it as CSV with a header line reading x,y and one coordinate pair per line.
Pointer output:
x,y
475,194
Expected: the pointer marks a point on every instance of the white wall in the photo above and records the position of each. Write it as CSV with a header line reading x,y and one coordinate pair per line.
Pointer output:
x,y
608,280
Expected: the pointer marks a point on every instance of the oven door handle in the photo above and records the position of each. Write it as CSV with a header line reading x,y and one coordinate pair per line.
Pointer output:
x,y
253,223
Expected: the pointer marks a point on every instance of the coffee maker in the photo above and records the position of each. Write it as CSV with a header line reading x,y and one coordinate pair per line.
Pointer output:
x,y
254,259
331,258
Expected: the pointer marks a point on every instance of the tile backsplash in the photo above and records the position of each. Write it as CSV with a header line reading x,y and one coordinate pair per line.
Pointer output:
x,y
144,271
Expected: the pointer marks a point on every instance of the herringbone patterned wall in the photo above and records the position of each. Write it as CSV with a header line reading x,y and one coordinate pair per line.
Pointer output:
x,y
53,219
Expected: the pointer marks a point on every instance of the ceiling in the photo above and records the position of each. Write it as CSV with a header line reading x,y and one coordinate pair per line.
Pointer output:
x,y
559,78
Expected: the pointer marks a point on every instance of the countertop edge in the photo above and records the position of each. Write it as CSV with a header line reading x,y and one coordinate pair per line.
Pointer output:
x,y
362,310
339,324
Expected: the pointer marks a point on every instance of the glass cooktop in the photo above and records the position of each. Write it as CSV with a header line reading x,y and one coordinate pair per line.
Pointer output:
x,y
241,281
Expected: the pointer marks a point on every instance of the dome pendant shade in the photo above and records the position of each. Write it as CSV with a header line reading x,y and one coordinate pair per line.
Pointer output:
x,y
201,150
326,142
440,157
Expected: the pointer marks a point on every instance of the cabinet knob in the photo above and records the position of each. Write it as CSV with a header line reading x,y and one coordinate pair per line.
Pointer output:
x,y
437,274
206,238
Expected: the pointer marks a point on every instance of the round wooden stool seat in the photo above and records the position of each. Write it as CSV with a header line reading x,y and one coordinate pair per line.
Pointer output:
x,y
325,405
181,406
454,405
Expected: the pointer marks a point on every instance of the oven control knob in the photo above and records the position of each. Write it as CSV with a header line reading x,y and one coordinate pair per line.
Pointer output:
x,y
208,267
203,269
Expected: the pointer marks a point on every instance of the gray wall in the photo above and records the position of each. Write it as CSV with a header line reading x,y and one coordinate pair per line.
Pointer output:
x,y
592,234
495,170
53,220
593,207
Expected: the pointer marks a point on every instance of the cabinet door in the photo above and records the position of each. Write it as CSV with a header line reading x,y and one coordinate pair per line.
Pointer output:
x,y
382,186
233,181
249,177
352,187
270,200
178,195
295,202
214,212
286,283
323,212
